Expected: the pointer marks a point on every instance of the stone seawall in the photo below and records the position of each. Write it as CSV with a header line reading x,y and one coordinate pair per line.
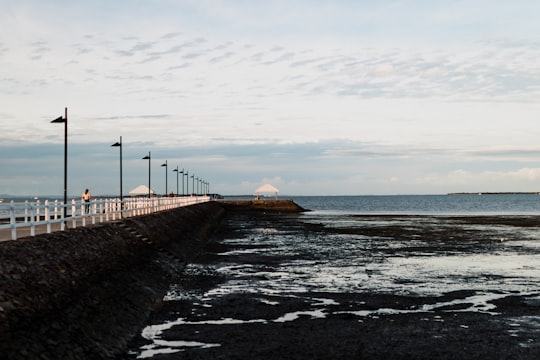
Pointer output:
x,y
83,293
285,206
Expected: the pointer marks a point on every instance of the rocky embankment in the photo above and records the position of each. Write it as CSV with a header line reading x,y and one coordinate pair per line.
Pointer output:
x,y
83,293
285,206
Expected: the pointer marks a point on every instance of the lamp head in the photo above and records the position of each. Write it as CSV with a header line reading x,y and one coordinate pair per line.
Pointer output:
x,y
59,120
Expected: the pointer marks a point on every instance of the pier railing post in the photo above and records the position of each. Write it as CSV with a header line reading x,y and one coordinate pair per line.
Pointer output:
x,y
107,209
47,216
101,207
83,213
37,212
26,211
94,210
13,220
74,213
63,216
120,205
32,222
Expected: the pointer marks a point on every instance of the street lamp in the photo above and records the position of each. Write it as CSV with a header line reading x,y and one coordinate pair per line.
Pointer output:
x,y
182,172
166,176
148,157
65,121
187,182
119,144
176,170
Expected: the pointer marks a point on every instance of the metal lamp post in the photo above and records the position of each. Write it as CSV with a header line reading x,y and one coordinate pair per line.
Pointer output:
x,y
65,121
176,171
166,176
187,182
119,144
148,157
182,172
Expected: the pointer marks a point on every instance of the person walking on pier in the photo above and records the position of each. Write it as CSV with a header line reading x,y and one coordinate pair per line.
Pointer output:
x,y
86,198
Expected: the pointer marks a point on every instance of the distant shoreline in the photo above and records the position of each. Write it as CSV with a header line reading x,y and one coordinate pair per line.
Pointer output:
x,y
496,193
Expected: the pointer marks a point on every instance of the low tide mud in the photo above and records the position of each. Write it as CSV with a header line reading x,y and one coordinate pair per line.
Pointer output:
x,y
355,287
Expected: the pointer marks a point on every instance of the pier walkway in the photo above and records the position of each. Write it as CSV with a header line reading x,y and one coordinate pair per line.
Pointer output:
x,y
24,219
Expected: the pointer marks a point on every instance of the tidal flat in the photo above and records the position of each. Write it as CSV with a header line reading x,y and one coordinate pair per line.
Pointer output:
x,y
340,286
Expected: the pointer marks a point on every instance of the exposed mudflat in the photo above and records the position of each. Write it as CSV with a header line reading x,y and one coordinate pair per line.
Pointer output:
x,y
320,286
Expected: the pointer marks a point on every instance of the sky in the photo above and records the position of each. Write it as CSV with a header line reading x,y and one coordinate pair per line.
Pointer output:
x,y
314,97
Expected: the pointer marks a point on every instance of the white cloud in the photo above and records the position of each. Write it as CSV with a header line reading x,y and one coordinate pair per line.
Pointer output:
x,y
453,86
523,179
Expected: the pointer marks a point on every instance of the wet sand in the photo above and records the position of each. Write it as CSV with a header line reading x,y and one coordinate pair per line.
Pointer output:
x,y
203,319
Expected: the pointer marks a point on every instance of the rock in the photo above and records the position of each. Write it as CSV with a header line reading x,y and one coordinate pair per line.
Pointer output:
x,y
84,292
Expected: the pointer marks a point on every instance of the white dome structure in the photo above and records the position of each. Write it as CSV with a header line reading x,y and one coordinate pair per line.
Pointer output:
x,y
267,188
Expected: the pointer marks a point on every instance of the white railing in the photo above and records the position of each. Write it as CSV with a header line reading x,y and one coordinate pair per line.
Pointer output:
x,y
14,215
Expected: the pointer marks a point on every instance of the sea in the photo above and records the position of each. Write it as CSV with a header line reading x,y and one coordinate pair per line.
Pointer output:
x,y
447,204
479,247
472,204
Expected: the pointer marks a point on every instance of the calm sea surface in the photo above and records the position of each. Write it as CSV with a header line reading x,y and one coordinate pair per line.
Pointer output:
x,y
503,204
467,204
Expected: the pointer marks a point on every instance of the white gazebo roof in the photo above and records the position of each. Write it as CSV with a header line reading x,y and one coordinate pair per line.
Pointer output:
x,y
141,190
267,188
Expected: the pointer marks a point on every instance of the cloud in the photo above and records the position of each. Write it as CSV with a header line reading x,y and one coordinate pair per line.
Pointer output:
x,y
128,117
369,168
410,91
503,154
522,179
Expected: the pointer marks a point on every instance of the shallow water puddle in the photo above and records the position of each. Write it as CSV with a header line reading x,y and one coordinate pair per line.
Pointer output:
x,y
480,302
170,347
525,326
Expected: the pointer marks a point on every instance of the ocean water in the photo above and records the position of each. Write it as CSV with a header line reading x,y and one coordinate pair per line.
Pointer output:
x,y
466,204
472,204
469,250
